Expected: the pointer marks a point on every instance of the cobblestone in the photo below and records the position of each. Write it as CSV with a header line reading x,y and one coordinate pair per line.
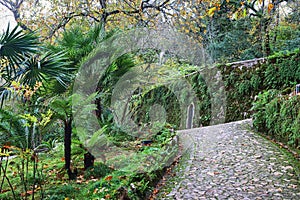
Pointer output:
x,y
230,162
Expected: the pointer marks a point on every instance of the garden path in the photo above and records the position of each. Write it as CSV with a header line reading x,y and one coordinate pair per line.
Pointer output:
x,y
228,161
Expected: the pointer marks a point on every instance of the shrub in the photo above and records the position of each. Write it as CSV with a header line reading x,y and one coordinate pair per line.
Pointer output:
x,y
280,72
98,171
277,116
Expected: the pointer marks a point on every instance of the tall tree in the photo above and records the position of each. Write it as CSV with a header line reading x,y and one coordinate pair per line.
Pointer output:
x,y
208,21
50,17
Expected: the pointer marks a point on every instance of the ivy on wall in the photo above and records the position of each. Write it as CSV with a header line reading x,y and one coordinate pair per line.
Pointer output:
x,y
244,81
278,116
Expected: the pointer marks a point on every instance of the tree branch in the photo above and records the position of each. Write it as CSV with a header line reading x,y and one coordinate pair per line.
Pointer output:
x,y
67,19
14,8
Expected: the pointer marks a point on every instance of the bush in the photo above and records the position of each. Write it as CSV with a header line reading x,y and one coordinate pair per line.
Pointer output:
x,y
285,72
277,116
98,171
61,192
259,109
280,72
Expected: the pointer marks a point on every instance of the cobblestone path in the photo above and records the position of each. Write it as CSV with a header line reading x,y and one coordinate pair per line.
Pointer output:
x,y
230,162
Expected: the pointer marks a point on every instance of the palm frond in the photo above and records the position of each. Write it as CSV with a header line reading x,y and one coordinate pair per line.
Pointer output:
x,y
46,68
16,46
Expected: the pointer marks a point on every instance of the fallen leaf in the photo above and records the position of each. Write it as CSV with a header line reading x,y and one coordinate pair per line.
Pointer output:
x,y
277,173
288,168
108,178
29,192
6,146
3,191
211,173
95,191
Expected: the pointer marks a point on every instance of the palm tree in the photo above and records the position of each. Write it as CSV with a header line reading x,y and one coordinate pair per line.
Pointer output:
x,y
62,108
63,111
77,43
16,47
24,60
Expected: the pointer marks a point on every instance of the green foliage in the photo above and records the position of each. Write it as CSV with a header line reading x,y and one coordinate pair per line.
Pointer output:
x,y
281,71
61,107
23,60
241,85
117,134
12,129
161,95
231,40
284,73
27,174
62,192
100,170
165,135
133,186
200,87
111,76
226,39
77,43
48,67
16,46
21,130
278,116
259,116
286,37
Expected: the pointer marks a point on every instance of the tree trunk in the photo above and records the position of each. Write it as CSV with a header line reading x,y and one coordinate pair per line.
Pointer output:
x,y
88,160
104,14
67,144
266,37
267,42
98,111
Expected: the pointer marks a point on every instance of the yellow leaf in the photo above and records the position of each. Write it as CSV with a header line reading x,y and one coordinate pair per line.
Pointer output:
x,y
244,13
211,11
270,7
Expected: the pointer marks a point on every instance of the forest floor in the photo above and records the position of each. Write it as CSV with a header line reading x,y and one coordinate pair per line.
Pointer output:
x,y
229,161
